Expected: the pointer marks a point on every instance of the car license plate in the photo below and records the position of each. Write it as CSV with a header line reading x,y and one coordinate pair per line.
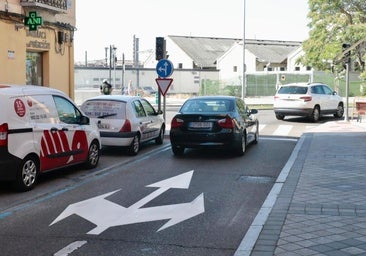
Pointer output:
x,y
103,126
201,125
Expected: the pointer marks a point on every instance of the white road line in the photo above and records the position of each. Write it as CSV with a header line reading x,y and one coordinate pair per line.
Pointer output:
x,y
261,127
70,248
283,130
247,244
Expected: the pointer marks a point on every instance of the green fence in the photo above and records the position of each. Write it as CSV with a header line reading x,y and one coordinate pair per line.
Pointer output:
x,y
266,84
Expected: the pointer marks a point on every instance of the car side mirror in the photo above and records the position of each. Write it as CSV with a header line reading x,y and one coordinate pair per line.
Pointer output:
x,y
159,112
252,111
84,120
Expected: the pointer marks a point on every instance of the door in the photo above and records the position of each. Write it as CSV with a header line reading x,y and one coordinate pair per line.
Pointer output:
x,y
145,122
57,131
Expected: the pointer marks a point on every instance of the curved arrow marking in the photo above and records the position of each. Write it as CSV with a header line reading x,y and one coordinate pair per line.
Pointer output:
x,y
105,214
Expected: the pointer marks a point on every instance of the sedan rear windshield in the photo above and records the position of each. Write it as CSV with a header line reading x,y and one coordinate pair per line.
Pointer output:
x,y
220,105
105,109
293,90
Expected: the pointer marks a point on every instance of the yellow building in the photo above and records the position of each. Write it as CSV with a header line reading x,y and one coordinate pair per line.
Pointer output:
x,y
36,43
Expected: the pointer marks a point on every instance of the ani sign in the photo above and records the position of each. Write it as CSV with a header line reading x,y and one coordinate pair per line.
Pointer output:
x,y
33,21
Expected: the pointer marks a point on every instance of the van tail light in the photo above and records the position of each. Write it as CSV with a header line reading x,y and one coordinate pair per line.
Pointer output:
x,y
276,97
306,98
176,122
227,123
4,134
126,126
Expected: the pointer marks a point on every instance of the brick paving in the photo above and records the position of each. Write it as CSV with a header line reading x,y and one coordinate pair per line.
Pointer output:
x,y
321,207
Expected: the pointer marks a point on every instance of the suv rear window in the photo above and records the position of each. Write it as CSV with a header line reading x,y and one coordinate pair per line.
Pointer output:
x,y
293,90
105,109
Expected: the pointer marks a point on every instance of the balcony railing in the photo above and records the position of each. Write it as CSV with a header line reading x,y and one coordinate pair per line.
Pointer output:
x,y
59,6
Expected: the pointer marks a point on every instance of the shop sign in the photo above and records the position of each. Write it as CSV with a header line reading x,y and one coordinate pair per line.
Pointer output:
x,y
33,21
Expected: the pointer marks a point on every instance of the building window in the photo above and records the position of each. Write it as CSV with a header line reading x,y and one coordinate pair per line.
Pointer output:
x,y
34,70
282,68
180,65
235,69
308,68
297,68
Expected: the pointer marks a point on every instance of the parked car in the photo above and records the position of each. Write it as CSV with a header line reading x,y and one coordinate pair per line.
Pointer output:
x,y
307,99
125,120
41,129
223,122
149,91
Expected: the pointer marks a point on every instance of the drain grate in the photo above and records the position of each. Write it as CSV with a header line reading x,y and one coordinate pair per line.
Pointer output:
x,y
257,179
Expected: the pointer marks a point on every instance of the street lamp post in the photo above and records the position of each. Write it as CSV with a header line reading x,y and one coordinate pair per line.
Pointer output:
x,y
243,89
112,61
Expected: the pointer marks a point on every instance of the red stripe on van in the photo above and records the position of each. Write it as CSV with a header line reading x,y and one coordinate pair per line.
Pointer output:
x,y
48,141
64,141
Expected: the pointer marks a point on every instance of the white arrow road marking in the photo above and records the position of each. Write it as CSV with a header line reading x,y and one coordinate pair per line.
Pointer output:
x,y
105,214
70,248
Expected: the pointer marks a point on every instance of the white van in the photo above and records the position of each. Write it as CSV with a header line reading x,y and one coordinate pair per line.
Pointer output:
x,y
41,129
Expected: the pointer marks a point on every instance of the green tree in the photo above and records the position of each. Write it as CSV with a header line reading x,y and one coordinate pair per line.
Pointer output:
x,y
332,23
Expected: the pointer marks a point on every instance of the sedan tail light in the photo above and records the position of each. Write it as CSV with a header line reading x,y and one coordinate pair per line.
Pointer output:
x,y
4,134
306,98
227,123
126,126
176,122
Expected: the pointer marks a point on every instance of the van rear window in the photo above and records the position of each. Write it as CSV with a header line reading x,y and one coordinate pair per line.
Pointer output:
x,y
104,109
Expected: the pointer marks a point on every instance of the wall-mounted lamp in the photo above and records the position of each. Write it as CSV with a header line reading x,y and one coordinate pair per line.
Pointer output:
x,y
60,37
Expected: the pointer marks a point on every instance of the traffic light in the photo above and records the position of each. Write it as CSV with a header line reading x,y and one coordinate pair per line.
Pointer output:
x,y
160,48
347,54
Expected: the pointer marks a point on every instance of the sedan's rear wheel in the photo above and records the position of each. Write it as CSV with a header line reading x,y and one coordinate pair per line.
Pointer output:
x,y
177,150
134,148
280,117
159,140
242,146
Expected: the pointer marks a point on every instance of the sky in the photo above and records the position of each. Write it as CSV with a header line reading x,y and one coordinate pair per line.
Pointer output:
x,y
100,24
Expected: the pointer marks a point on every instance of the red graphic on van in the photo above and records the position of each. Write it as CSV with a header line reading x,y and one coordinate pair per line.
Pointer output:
x,y
56,151
19,107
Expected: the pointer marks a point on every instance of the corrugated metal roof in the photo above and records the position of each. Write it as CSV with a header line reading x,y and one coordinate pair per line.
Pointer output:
x,y
205,51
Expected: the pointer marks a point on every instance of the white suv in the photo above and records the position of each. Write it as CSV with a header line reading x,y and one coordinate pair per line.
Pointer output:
x,y
307,99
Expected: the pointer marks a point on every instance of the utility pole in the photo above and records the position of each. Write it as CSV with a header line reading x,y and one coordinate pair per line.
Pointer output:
x,y
123,73
243,89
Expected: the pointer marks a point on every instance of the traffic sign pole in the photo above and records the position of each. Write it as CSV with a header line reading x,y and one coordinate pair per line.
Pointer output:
x,y
164,69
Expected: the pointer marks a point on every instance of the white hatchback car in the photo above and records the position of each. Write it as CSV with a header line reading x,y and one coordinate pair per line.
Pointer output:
x,y
125,120
307,99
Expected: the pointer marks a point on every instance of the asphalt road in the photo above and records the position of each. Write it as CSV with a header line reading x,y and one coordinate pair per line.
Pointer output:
x,y
151,204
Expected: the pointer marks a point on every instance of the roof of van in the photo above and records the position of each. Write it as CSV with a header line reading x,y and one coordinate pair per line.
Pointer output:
x,y
27,89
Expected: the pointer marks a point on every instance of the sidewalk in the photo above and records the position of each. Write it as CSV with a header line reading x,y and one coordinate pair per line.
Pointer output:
x,y
318,204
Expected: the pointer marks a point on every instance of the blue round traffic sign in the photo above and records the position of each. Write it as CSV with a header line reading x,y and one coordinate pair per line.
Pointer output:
x,y
164,68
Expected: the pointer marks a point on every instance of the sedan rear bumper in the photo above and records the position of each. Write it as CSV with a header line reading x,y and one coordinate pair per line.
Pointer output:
x,y
204,140
117,138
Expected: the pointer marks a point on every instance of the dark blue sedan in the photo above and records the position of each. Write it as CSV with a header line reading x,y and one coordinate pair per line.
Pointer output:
x,y
223,122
